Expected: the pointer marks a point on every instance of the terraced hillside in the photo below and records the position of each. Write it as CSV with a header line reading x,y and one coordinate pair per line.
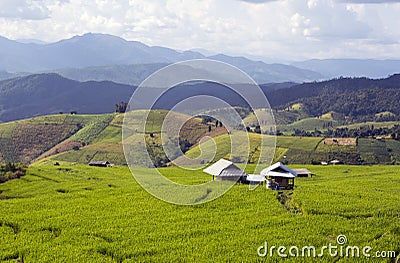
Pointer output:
x,y
285,146
308,124
25,140
222,146
107,143
308,150
85,138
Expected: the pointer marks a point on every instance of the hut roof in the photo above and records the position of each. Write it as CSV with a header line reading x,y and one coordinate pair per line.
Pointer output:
x,y
302,171
279,170
256,178
224,168
99,162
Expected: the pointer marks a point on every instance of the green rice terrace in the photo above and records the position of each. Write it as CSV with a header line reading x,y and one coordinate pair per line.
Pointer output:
x,y
77,213
63,210
85,138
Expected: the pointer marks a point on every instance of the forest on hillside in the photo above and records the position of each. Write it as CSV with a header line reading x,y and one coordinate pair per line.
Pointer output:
x,y
358,98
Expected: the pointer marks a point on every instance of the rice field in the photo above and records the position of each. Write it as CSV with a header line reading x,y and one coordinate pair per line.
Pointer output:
x,y
77,213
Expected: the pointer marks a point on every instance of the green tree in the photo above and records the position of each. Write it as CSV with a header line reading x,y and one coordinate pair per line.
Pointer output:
x,y
121,107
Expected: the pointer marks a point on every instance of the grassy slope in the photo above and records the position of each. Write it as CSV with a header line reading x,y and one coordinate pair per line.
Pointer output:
x,y
104,142
308,150
6,142
85,214
377,125
307,124
107,145
367,151
282,117
24,140
284,144
372,151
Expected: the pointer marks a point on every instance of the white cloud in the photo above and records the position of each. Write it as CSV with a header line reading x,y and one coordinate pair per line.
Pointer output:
x,y
369,1
258,1
24,9
283,29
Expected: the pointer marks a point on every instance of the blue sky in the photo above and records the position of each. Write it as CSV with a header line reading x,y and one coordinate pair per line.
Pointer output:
x,y
283,30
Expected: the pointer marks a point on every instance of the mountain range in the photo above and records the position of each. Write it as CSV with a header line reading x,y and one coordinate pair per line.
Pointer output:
x,y
371,68
41,94
93,72
50,93
99,56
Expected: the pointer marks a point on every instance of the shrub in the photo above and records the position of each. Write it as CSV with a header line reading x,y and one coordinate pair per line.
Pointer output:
x,y
10,171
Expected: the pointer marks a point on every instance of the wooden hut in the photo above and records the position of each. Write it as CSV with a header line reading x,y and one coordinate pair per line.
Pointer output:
x,y
334,162
101,163
302,172
255,179
224,170
280,175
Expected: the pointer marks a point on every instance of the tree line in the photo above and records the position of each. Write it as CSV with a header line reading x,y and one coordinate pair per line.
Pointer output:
x,y
362,132
10,171
361,99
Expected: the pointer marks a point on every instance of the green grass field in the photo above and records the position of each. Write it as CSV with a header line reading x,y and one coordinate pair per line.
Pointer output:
x,y
77,213
384,151
223,147
298,143
283,144
307,124
308,150
85,138
92,128
376,125
104,137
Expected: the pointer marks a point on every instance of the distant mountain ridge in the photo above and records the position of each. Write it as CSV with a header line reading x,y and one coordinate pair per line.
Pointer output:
x,y
83,51
101,56
100,50
371,68
357,98
50,93
124,74
43,94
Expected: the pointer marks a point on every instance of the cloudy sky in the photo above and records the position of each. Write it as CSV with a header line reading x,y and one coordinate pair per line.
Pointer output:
x,y
275,30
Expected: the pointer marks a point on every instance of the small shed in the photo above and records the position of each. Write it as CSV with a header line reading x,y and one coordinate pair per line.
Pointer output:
x,y
255,179
101,163
335,162
225,170
302,172
280,175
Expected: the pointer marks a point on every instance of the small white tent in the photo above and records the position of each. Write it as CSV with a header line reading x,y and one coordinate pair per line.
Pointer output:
x,y
225,170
